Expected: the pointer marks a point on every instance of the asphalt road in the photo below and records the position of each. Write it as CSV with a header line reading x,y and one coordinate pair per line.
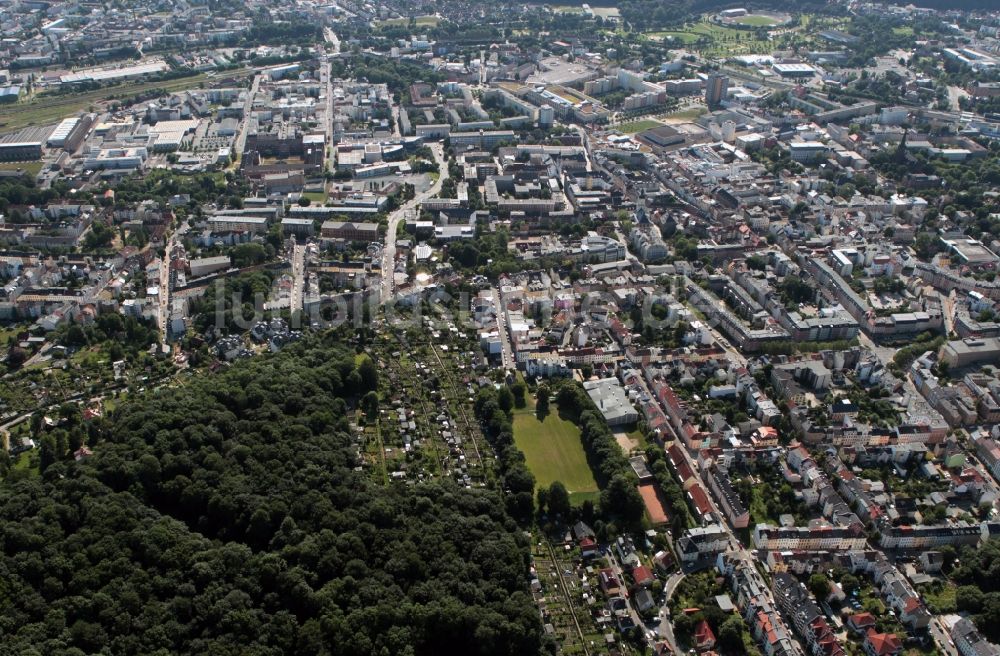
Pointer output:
x,y
506,351
389,250
665,628
298,277
241,140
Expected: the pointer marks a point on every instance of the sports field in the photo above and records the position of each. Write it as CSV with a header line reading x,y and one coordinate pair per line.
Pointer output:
x,y
757,20
654,508
553,452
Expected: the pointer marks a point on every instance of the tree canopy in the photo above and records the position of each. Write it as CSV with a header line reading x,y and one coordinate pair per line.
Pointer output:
x,y
229,516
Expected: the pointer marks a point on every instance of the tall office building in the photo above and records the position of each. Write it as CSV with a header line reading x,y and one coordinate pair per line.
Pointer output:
x,y
715,89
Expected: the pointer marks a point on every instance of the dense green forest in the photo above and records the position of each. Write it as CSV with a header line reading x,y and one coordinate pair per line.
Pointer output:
x,y
978,577
229,516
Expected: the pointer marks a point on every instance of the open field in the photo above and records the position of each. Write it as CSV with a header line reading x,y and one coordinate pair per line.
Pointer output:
x,y
8,331
554,453
31,168
316,197
684,115
637,126
716,40
45,109
756,20
27,461
686,38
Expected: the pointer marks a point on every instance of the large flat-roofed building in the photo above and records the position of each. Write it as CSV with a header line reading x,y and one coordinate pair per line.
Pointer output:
x,y
610,398
803,151
107,74
23,145
116,158
662,136
169,135
231,223
206,265
971,252
329,212
683,87
20,151
794,70
61,133
962,353
481,138
349,230
274,138
433,130
314,151
299,227
373,171
556,70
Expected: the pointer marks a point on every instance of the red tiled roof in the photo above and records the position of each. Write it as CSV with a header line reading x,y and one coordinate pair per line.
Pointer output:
x,y
700,498
883,644
862,620
703,634
641,573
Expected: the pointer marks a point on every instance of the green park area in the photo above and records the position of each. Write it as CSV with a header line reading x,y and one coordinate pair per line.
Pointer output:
x,y
553,451
638,126
717,40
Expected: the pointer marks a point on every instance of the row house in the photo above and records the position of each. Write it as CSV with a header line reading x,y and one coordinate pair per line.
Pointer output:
x,y
758,608
937,535
794,601
819,536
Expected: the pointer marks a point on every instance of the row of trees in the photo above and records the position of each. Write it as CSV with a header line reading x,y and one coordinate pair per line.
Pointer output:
x,y
620,499
673,493
494,411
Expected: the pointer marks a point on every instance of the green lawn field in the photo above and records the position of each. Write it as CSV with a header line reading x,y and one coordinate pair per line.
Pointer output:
x,y
554,453
754,20
637,126
30,168
686,38
718,40
316,197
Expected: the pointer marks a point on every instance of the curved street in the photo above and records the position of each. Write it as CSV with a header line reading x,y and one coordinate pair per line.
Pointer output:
x,y
665,628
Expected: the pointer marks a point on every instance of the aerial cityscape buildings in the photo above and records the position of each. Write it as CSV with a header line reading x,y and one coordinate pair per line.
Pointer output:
x,y
466,327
